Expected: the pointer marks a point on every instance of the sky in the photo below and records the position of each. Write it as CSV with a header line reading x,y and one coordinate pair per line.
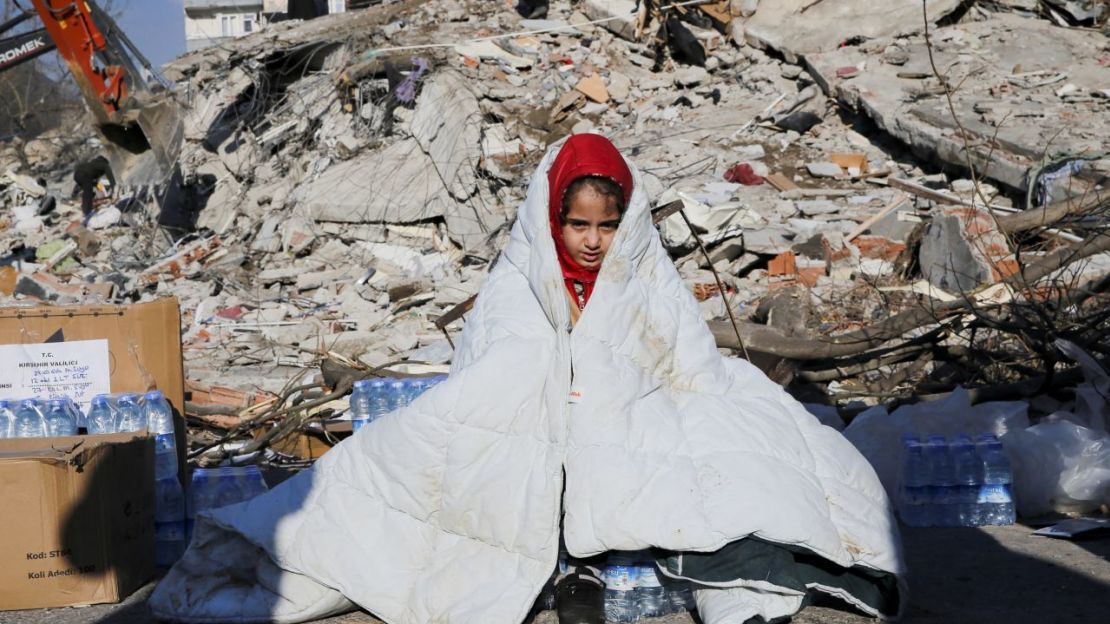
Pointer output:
x,y
157,27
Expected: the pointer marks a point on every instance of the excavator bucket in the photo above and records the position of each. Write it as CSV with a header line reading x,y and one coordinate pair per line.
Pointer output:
x,y
143,145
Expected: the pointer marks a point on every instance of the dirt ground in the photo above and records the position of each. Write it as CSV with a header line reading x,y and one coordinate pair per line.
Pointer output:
x,y
987,575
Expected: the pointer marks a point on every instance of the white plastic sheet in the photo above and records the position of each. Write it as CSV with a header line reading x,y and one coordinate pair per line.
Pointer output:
x,y
1059,466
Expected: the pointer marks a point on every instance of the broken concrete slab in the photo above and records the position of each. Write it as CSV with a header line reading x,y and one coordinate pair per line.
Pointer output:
x,y
963,249
797,28
1082,10
620,15
397,184
715,223
432,174
317,279
297,234
268,238
1008,124
620,86
489,50
447,125
824,170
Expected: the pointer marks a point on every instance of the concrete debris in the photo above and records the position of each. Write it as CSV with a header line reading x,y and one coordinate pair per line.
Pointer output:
x,y
798,28
963,249
824,169
593,87
488,50
1005,68
619,15
336,199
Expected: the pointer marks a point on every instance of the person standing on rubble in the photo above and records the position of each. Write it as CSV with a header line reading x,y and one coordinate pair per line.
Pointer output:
x,y
587,406
87,175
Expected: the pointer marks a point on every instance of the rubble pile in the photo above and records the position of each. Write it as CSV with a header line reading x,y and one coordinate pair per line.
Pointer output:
x,y
882,220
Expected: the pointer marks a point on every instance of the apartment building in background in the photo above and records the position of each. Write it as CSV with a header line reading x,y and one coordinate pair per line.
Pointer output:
x,y
211,22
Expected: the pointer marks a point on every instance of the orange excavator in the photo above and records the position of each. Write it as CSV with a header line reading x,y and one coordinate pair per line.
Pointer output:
x,y
134,108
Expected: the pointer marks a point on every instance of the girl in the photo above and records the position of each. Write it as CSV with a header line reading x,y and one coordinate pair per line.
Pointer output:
x,y
589,184
587,402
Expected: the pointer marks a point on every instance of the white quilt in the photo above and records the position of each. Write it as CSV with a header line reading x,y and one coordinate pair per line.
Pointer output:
x,y
449,511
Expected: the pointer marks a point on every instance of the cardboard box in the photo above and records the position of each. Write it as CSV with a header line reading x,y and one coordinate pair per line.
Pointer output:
x,y
77,518
77,513
143,345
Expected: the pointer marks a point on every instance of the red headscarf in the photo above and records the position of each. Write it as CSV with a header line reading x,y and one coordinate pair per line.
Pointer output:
x,y
582,155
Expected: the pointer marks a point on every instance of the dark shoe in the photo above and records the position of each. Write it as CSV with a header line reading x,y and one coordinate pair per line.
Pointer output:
x,y
580,599
532,9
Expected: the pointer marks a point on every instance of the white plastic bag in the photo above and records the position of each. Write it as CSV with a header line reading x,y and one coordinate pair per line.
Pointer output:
x,y
1091,397
1059,466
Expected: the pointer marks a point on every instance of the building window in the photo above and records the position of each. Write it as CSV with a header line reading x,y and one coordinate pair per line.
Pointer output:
x,y
248,23
227,26
337,6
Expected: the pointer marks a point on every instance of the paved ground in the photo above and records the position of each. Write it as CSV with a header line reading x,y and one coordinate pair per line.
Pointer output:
x,y
974,576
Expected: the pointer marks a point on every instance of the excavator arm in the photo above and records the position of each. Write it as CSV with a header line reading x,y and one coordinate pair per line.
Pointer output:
x,y
135,112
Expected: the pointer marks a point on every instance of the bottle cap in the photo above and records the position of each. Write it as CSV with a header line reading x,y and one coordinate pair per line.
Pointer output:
x,y
153,395
362,384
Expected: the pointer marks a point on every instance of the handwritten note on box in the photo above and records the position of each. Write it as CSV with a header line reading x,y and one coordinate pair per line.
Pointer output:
x,y
78,370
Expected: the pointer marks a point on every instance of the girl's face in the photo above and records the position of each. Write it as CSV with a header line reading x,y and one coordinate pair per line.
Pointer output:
x,y
589,226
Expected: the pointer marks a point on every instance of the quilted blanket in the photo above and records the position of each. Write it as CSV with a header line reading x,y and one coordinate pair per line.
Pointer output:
x,y
628,430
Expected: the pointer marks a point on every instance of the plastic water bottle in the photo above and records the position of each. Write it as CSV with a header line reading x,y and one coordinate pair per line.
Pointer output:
x,y
59,420
169,520
915,505
378,391
969,477
415,388
212,488
361,412
159,419
996,495
620,576
202,496
101,418
75,411
130,414
942,490
7,418
651,598
398,394
29,422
